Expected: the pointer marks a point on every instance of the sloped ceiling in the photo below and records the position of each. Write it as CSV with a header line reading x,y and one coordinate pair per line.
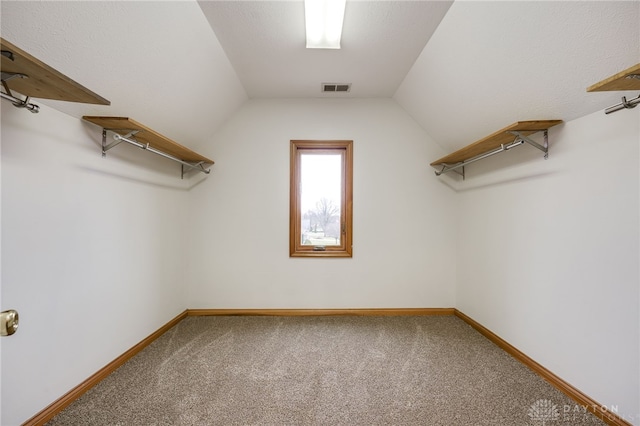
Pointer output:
x,y
462,70
490,64
157,62
265,42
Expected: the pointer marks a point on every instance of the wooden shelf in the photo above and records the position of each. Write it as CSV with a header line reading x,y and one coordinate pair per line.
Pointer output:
x,y
496,140
123,125
619,81
43,81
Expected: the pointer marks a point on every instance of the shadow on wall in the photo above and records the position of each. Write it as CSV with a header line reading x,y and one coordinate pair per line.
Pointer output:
x,y
461,186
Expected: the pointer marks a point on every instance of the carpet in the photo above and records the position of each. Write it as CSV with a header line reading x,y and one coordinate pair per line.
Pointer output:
x,y
330,370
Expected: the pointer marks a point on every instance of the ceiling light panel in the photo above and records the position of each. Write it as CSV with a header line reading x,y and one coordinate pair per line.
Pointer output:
x,y
323,20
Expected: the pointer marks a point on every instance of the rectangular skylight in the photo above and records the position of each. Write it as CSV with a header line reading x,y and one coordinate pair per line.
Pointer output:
x,y
323,20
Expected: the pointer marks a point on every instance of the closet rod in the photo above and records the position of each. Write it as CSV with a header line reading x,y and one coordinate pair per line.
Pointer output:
x,y
19,103
503,147
196,166
625,104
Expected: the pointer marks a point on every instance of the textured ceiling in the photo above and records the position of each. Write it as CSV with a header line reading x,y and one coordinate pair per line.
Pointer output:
x,y
462,70
265,42
490,64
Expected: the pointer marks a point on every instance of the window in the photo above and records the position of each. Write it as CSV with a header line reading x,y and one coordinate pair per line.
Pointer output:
x,y
320,218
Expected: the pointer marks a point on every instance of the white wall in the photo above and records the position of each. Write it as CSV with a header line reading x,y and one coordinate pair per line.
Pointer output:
x,y
95,251
548,254
404,221
92,253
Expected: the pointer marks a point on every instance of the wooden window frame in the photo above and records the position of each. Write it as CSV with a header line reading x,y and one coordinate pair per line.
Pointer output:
x,y
345,148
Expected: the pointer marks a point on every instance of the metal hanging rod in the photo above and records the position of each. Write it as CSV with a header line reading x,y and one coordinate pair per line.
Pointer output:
x,y
17,102
446,168
519,140
625,104
145,146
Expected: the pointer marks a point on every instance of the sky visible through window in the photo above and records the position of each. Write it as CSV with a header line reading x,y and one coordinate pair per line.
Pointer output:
x,y
321,177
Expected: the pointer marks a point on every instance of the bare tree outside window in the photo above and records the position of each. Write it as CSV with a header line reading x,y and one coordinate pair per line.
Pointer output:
x,y
324,220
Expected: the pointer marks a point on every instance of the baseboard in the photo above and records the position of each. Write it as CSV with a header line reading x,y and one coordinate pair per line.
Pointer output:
x,y
573,393
323,312
60,404
597,409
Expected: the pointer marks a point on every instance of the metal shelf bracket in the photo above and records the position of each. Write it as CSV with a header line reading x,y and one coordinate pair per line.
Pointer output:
x,y
117,140
453,168
544,148
186,167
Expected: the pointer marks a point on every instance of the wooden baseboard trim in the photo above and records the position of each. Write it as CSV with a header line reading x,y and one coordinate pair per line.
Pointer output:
x,y
323,312
61,403
597,409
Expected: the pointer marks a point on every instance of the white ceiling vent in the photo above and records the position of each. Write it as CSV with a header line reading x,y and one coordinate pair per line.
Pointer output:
x,y
336,87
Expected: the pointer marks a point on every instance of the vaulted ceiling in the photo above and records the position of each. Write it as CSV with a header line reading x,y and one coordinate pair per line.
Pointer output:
x,y
265,42
461,69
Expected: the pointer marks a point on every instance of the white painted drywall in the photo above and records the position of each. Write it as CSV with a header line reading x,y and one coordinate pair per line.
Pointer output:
x,y
404,221
548,254
92,253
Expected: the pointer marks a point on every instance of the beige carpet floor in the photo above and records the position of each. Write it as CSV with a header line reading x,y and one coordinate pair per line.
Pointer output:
x,y
415,370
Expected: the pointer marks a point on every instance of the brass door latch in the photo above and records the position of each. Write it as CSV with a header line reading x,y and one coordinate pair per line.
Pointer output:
x,y
8,322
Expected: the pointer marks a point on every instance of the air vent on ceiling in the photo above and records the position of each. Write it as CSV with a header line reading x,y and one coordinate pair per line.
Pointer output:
x,y
336,87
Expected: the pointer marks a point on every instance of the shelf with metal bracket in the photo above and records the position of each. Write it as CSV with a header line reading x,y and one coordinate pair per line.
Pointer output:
x,y
628,79
503,140
31,77
125,129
